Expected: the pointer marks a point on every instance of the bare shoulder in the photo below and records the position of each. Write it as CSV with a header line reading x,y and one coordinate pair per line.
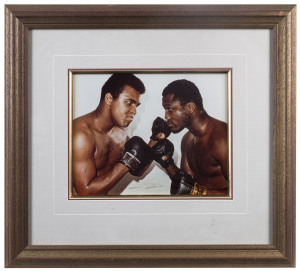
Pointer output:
x,y
219,134
81,127
186,138
219,130
83,136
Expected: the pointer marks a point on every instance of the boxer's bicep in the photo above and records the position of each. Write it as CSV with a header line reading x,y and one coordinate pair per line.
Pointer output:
x,y
184,165
84,167
221,154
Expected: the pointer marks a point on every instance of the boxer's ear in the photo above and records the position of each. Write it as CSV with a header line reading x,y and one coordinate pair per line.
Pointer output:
x,y
108,98
190,107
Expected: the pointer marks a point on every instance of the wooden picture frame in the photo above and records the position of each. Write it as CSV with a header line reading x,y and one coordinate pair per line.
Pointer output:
x,y
21,19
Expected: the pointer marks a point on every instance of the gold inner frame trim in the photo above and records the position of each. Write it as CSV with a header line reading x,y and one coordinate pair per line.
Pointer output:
x,y
71,74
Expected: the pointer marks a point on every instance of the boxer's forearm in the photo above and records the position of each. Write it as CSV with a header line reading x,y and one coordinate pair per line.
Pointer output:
x,y
152,143
172,169
101,184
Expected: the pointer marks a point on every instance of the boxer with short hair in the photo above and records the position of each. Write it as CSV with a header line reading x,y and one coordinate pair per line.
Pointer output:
x,y
204,162
100,156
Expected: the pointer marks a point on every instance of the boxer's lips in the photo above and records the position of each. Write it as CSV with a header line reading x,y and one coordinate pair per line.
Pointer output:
x,y
130,118
170,124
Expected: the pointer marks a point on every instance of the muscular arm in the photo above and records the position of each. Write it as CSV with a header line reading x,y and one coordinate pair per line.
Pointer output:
x,y
172,169
184,165
221,155
85,179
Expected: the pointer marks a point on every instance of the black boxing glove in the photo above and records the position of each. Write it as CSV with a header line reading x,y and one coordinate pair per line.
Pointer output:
x,y
136,155
184,184
160,126
162,148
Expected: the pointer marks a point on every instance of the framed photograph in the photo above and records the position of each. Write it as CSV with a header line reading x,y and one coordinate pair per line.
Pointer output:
x,y
215,85
93,179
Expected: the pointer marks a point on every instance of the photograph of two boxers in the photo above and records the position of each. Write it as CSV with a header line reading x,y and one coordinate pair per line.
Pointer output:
x,y
178,145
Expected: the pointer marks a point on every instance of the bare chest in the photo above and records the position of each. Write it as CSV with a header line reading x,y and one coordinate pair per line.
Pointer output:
x,y
201,159
107,152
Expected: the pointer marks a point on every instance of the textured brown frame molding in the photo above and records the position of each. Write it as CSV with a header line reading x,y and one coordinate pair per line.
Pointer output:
x,y
20,19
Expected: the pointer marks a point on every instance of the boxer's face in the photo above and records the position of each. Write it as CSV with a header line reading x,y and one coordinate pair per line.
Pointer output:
x,y
175,114
123,108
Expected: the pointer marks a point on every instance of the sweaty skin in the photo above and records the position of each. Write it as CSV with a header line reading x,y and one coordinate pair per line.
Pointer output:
x,y
204,146
98,140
